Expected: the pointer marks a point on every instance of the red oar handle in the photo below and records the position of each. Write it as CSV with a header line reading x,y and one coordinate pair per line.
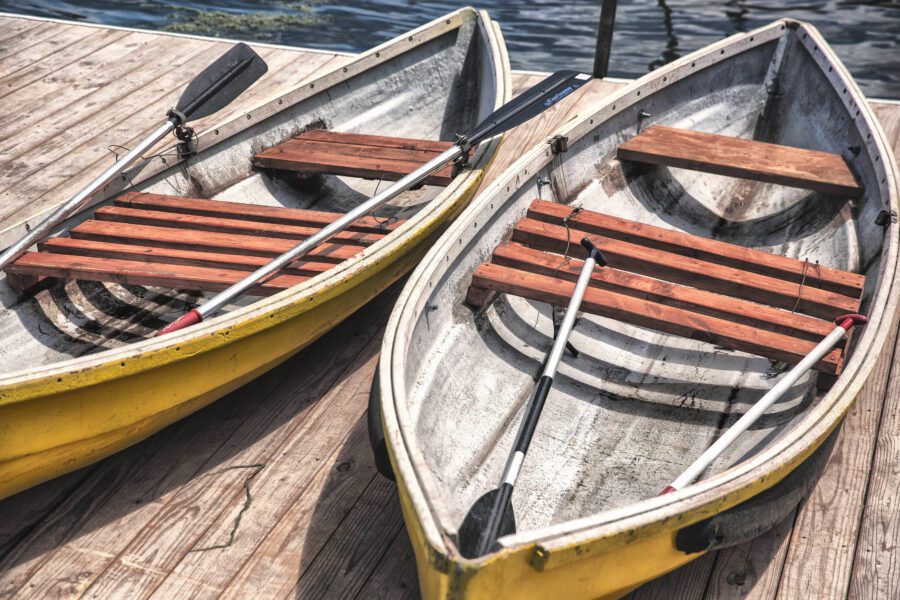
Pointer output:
x,y
848,321
186,320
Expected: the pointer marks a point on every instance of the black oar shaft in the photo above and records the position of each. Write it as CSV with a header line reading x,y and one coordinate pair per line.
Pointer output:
x,y
536,404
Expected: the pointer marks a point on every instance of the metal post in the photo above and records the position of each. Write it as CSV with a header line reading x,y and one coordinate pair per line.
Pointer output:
x,y
604,38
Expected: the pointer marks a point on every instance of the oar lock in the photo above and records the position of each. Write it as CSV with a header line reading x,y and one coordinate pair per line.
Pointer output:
x,y
186,135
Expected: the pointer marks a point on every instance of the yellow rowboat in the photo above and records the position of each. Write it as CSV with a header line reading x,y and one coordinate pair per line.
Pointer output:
x,y
81,375
749,167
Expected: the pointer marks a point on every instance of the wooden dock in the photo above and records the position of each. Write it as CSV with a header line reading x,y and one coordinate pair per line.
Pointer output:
x,y
271,492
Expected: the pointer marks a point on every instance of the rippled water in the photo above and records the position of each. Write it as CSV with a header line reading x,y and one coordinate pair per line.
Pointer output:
x,y
541,35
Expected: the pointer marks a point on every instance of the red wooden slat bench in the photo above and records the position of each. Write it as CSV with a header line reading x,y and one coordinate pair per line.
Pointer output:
x,y
736,297
736,157
192,243
356,155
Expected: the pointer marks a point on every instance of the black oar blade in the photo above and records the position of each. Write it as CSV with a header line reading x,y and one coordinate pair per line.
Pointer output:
x,y
529,104
476,522
221,82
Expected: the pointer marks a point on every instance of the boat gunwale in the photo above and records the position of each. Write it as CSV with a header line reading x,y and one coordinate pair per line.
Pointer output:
x,y
37,382
566,541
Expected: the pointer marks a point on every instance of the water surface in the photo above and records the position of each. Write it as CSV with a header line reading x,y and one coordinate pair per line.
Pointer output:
x,y
541,35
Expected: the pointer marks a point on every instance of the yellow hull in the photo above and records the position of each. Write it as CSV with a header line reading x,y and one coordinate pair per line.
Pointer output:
x,y
599,568
53,425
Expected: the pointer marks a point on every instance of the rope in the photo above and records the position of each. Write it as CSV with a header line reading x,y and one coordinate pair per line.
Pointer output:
x,y
566,257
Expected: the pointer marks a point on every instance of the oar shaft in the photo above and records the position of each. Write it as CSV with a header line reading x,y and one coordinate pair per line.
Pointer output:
x,y
762,405
536,405
323,235
77,201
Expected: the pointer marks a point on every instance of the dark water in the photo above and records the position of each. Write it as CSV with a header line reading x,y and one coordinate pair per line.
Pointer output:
x,y
541,35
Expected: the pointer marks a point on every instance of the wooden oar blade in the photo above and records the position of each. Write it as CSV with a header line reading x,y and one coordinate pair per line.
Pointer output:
x,y
221,82
476,522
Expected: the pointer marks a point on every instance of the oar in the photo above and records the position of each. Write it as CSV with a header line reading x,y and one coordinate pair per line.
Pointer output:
x,y
215,87
491,516
525,106
844,324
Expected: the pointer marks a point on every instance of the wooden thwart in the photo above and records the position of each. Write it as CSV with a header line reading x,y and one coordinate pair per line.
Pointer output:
x,y
356,155
737,157
190,243
683,290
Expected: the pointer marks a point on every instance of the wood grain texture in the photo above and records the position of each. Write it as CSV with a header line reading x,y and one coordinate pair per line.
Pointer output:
x,y
693,246
380,157
876,566
684,270
238,262
751,570
517,256
823,542
135,272
249,212
736,157
668,319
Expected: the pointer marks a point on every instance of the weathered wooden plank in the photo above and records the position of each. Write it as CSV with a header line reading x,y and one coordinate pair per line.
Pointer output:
x,y
395,578
21,50
23,512
678,242
876,565
189,277
75,45
640,312
108,69
131,109
432,147
690,271
751,570
291,158
825,532
197,518
238,262
343,566
335,460
274,565
384,152
209,241
250,212
511,254
189,224
12,28
82,537
737,157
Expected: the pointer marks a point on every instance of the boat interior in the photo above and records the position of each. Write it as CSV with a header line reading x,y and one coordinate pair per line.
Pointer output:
x,y
741,207
118,273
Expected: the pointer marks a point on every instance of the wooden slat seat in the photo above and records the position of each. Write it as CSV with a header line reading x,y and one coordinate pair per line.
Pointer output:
x,y
737,157
673,282
191,243
356,155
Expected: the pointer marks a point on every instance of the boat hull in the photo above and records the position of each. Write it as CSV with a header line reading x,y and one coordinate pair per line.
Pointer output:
x,y
56,419
606,553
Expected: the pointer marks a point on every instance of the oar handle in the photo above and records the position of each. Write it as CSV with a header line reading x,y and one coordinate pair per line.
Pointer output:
x,y
843,324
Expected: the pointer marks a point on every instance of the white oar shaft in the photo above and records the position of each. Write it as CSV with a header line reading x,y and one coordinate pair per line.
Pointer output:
x,y
42,229
756,411
326,233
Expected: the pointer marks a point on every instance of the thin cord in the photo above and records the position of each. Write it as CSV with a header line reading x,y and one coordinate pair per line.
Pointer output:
x,y
566,256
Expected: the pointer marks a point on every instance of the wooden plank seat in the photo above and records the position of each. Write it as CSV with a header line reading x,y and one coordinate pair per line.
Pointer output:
x,y
356,155
191,243
737,157
673,282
